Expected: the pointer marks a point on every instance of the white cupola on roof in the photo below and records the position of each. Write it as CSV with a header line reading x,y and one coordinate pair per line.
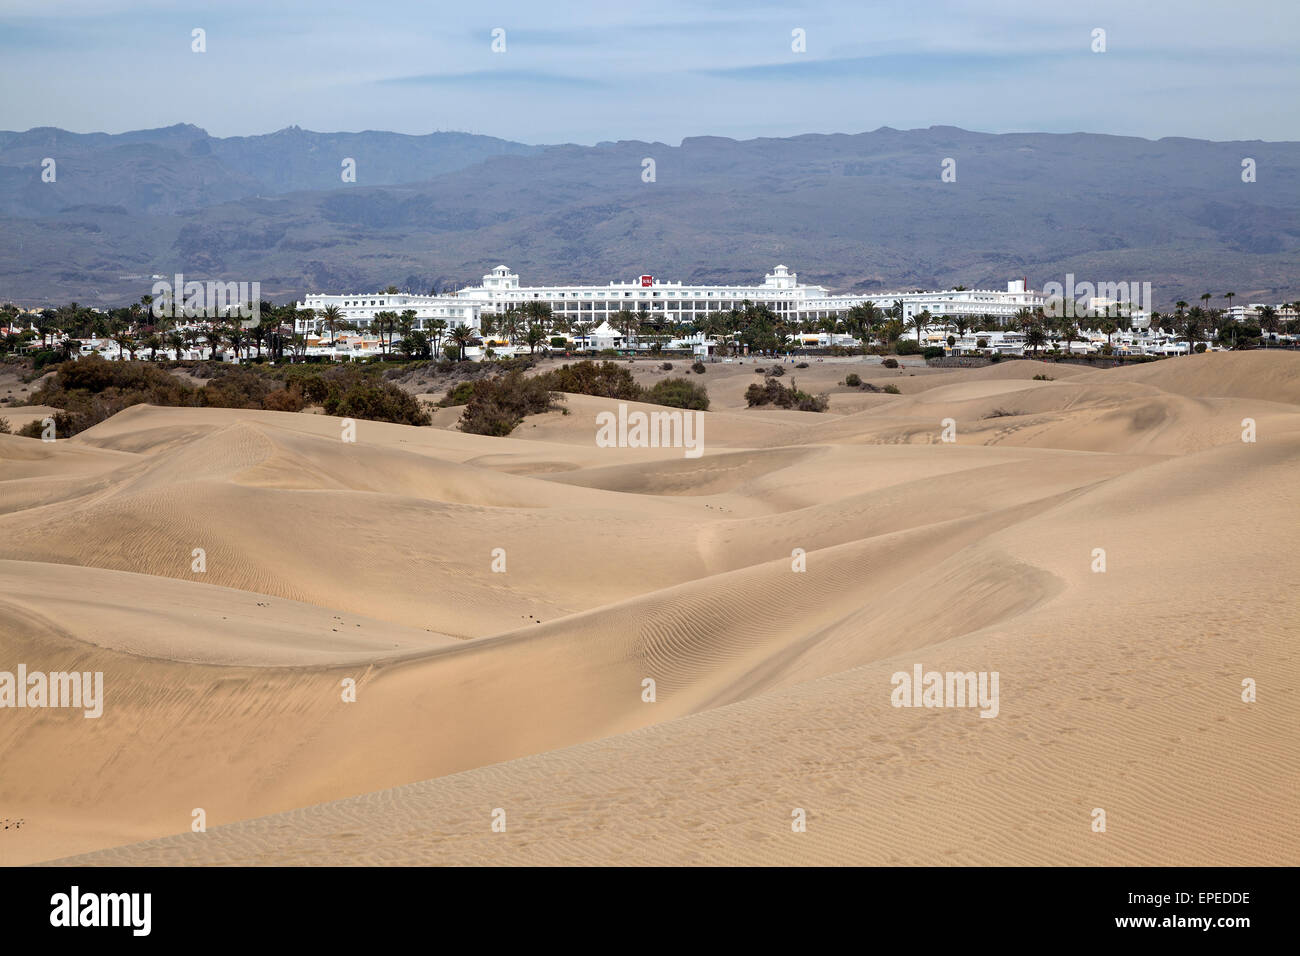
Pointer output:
x,y
501,278
780,278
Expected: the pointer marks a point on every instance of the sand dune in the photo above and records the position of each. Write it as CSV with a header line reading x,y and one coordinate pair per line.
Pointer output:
x,y
769,588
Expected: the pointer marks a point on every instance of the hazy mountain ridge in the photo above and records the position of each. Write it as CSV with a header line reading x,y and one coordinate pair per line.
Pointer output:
x,y
853,211
181,168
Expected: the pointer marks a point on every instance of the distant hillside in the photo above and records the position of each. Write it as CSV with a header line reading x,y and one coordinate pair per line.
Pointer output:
x,y
181,168
855,212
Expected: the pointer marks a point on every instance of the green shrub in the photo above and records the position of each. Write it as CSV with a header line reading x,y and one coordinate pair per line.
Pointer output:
x,y
697,368
891,389
500,404
907,347
285,399
853,380
236,388
776,371
930,352
460,394
1043,378
802,365
679,393
33,429
4,427
889,363
367,398
604,379
772,392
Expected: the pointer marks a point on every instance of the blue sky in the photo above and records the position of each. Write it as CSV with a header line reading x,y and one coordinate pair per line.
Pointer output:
x,y
583,72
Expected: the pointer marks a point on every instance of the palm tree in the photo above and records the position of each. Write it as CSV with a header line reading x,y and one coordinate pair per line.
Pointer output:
x,y
176,342
534,337
385,322
123,342
537,312
1205,297
919,322
829,325
625,322
406,323
1229,296
258,334
1108,329
1035,336
215,337
331,315
437,329
1071,335
153,342
1192,331
461,336
1268,320
235,336
580,331
508,324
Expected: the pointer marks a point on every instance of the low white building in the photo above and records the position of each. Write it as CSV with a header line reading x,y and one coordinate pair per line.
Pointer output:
x,y
360,309
970,304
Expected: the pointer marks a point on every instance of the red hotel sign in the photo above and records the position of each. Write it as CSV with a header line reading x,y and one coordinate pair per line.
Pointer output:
x,y
647,281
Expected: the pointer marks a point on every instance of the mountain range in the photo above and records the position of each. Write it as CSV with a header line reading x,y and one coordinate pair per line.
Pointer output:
x,y
855,212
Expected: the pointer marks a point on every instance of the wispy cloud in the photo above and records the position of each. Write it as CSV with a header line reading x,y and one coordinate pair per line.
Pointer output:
x,y
921,66
496,78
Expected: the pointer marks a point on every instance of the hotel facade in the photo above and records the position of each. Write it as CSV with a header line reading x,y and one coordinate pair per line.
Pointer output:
x,y
500,291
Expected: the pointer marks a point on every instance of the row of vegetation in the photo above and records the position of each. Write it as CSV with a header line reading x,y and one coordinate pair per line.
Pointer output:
x,y
496,406
91,390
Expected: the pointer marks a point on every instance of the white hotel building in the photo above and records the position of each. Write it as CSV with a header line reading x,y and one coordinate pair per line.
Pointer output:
x,y
780,291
